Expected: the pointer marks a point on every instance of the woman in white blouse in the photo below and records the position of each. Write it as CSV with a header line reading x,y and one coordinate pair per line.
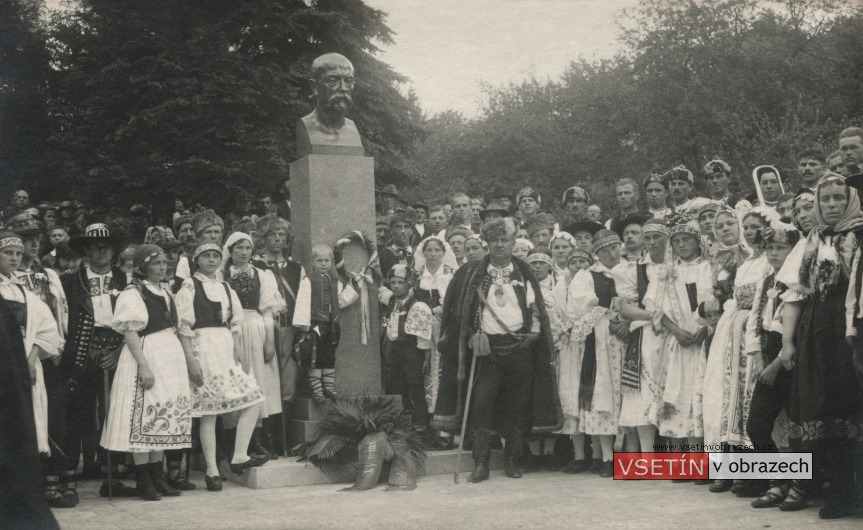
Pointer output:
x,y
435,264
150,401
210,319
259,295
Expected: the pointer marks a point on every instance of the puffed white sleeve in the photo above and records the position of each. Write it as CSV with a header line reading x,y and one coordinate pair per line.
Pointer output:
x,y
625,282
789,274
130,312
42,328
303,309
419,324
582,295
237,315
185,300
270,296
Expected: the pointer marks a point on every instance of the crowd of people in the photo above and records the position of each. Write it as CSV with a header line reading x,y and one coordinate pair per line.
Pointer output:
x,y
725,322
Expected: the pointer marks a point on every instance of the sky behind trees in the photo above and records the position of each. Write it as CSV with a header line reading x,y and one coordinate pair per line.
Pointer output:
x,y
449,47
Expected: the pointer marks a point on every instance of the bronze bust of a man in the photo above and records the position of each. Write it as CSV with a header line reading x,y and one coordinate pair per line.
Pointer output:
x,y
326,130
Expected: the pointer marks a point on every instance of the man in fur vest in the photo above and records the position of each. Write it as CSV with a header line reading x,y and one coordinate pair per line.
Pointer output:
x,y
515,388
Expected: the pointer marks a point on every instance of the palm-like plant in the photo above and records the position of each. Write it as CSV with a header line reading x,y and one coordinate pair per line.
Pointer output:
x,y
340,449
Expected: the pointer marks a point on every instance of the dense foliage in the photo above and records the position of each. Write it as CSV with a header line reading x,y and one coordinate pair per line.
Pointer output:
x,y
751,81
199,98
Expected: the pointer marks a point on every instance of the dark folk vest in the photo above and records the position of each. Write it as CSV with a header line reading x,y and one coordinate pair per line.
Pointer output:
x,y
325,297
208,314
288,274
159,314
248,288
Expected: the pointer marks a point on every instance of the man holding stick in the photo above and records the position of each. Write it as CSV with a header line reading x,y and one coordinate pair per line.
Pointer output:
x,y
494,311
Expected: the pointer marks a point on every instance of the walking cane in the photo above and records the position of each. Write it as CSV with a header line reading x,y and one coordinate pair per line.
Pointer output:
x,y
106,380
464,417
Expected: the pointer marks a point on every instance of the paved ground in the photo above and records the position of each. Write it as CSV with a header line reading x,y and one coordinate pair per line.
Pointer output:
x,y
539,500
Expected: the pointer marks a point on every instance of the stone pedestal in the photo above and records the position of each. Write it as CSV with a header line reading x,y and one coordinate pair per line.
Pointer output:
x,y
332,195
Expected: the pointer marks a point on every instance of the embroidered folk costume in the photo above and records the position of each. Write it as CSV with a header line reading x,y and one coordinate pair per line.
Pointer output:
x,y
826,411
682,286
210,313
515,388
158,418
729,377
407,328
431,289
258,294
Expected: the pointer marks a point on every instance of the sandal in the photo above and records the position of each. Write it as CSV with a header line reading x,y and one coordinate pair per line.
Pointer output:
x,y
774,498
54,494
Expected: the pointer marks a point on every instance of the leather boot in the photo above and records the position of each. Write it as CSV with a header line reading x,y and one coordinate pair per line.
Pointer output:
x,y
157,474
146,489
512,454
481,455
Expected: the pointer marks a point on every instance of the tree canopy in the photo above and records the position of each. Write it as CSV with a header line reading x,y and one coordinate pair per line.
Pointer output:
x,y
749,81
198,99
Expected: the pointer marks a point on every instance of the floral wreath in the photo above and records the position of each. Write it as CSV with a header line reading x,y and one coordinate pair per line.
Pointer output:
x,y
364,278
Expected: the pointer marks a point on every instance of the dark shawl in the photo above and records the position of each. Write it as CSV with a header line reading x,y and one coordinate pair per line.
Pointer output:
x,y
22,503
459,308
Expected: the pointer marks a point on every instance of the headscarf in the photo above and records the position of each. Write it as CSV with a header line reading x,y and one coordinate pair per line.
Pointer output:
x,y
448,259
481,241
756,174
852,219
232,240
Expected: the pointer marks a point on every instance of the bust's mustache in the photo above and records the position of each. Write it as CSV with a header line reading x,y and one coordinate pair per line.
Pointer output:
x,y
342,98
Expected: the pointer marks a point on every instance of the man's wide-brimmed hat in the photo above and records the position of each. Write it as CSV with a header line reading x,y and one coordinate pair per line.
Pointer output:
x,y
631,219
24,225
94,233
585,225
493,207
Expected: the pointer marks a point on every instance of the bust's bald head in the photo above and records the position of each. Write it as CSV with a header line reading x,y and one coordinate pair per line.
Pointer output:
x,y
328,62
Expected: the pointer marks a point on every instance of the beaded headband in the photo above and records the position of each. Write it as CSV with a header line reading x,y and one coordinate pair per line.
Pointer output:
x,y
8,242
402,271
204,248
578,253
779,232
657,228
539,256
606,241
712,207
685,228
97,230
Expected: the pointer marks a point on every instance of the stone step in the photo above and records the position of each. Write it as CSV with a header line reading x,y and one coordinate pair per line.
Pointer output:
x,y
286,472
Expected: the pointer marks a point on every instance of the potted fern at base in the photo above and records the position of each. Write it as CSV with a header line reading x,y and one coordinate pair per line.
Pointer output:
x,y
359,436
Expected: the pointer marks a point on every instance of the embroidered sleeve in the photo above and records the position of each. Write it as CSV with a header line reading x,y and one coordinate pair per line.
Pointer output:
x,y
419,324
752,335
130,314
